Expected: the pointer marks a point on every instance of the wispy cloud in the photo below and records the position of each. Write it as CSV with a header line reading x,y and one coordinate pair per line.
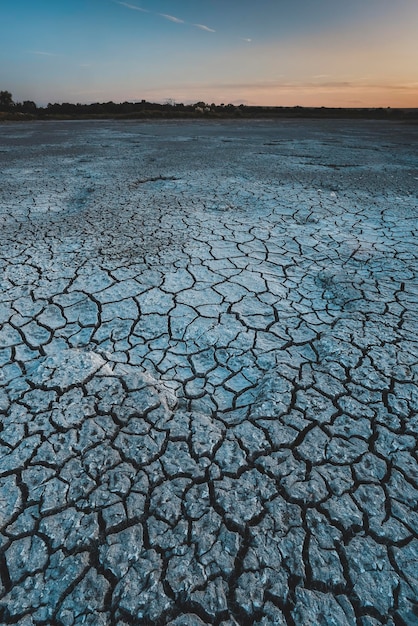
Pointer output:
x,y
171,18
41,53
133,7
309,85
206,28
91,92
167,16
247,39
400,87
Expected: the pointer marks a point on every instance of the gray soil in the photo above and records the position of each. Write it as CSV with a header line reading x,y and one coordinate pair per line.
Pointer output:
x,y
209,373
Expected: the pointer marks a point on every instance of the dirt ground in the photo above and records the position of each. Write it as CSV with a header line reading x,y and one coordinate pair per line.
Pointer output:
x,y
209,373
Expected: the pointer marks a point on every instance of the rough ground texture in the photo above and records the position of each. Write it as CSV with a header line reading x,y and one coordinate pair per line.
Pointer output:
x,y
209,374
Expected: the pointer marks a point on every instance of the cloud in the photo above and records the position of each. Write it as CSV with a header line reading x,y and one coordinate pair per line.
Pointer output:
x,y
176,20
94,92
247,39
310,86
41,53
334,84
166,16
132,6
206,28
401,87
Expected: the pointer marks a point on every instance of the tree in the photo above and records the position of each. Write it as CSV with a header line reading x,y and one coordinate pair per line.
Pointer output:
x,y
6,100
28,106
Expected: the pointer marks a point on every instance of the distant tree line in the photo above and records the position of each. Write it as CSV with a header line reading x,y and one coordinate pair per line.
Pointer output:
x,y
27,109
7,104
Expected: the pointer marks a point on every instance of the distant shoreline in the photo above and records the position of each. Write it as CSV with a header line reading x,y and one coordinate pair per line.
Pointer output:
x,y
178,112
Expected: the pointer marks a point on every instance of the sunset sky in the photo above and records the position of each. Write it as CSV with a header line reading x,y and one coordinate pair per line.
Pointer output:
x,y
350,53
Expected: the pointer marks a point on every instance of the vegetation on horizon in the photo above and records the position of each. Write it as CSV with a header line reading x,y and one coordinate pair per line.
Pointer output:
x,y
10,110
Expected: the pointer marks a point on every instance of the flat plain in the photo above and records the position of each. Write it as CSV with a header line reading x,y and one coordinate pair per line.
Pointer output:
x,y
209,373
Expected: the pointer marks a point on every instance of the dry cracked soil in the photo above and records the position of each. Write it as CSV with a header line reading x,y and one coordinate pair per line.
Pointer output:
x,y
209,373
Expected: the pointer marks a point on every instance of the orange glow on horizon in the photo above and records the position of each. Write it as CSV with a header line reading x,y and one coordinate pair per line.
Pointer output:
x,y
350,96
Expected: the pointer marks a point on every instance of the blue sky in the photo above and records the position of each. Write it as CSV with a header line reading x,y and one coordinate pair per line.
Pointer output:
x,y
272,52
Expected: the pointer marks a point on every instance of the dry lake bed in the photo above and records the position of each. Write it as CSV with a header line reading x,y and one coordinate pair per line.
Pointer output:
x,y
209,373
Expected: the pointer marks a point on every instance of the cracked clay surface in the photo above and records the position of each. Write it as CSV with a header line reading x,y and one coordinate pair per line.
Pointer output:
x,y
208,352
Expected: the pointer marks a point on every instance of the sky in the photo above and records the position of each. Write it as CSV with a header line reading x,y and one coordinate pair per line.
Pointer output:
x,y
344,53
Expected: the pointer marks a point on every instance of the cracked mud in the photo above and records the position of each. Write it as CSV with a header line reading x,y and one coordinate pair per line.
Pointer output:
x,y
208,353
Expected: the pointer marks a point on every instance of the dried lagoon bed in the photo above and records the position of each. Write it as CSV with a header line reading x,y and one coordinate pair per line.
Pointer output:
x,y
208,353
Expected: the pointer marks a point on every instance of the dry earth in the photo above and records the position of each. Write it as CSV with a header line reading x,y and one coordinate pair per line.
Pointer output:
x,y
209,379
